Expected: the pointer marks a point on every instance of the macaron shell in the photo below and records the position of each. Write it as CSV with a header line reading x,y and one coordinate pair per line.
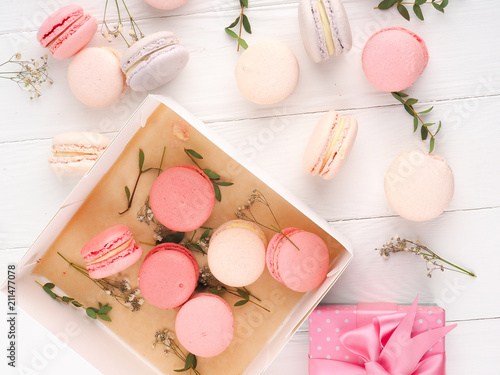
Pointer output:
x,y
419,186
342,149
166,4
267,72
302,270
95,77
182,198
117,263
205,325
161,67
272,250
75,38
340,23
105,241
57,22
394,58
72,166
236,256
168,276
79,140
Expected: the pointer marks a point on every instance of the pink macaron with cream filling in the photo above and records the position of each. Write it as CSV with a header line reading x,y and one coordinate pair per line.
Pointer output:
x,y
298,259
329,145
66,31
168,275
394,58
205,325
182,198
110,252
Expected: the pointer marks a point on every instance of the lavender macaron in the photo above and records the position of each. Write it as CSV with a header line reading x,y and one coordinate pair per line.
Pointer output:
x,y
154,61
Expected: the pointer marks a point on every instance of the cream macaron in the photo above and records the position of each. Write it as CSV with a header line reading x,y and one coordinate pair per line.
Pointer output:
x,y
237,253
419,186
329,145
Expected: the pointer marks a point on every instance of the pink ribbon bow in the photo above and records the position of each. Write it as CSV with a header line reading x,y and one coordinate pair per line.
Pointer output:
x,y
387,348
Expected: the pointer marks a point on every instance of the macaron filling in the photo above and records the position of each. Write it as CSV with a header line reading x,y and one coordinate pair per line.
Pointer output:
x,y
327,31
113,252
69,31
59,29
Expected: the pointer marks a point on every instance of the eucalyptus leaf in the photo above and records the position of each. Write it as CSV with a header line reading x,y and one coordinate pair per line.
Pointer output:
x,y
211,174
420,2
242,43
218,194
426,111
205,233
193,153
444,3
217,291
429,124
397,97
409,110
231,33
241,303
49,291
127,193
67,299
386,4
104,317
431,145
415,123
91,313
105,309
194,246
222,183
234,23
424,133
438,129
411,101
141,159
418,12
438,7
76,303
244,3
403,11
246,24
402,94
243,293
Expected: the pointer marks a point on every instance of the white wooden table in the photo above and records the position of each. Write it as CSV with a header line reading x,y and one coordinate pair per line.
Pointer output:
x,y
462,82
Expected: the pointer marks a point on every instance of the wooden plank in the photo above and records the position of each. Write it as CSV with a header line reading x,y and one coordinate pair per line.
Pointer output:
x,y
208,89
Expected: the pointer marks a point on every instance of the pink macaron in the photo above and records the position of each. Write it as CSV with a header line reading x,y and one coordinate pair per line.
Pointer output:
x,y
166,4
182,198
95,76
205,325
73,154
394,58
298,259
110,252
419,186
66,31
329,145
237,253
168,275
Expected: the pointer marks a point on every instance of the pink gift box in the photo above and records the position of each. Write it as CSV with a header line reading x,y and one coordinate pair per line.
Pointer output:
x,y
327,323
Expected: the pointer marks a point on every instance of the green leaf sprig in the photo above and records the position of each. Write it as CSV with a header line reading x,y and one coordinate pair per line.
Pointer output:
x,y
238,292
243,21
120,290
200,244
214,177
92,312
400,5
129,196
417,119
167,339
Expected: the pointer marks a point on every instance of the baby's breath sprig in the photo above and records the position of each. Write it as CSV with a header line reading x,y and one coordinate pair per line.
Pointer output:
x,y
424,130
92,312
166,338
397,245
29,75
400,5
111,33
208,280
200,245
129,196
243,21
245,213
214,177
119,289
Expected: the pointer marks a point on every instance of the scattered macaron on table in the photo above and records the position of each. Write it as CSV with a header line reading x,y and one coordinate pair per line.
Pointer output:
x,y
394,58
73,154
237,252
329,145
267,72
110,252
66,31
419,186
153,61
325,28
168,275
95,77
